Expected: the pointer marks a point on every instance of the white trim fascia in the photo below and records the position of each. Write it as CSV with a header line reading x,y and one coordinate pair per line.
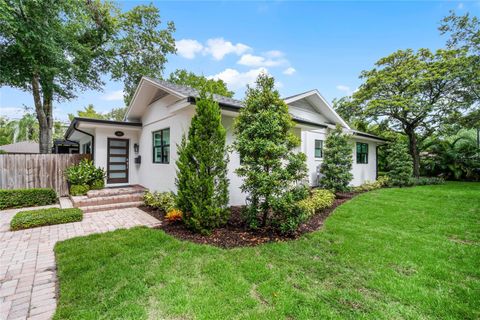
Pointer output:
x,y
178,105
318,94
140,84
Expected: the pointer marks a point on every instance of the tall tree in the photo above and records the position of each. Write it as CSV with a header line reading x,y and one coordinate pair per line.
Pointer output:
x,y
117,114
87,112
202,169
182,76
270,166
55,48
414,93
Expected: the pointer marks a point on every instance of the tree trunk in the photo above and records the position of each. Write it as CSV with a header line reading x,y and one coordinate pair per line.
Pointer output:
x,y
43,109
413,150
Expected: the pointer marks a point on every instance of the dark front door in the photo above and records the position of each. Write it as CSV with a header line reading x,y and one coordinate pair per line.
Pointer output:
x,y
117,171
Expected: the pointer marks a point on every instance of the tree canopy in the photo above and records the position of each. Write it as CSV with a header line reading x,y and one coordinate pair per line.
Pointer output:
x,y
55,49
89,111
182,76
414,93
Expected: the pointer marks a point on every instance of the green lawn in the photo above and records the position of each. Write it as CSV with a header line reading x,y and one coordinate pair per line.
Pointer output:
x,y
388,254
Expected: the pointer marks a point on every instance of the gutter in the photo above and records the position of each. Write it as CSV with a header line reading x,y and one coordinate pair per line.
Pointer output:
x,y
88,134
73,127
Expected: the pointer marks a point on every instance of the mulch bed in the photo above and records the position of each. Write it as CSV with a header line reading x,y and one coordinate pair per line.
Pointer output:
x,y
236,234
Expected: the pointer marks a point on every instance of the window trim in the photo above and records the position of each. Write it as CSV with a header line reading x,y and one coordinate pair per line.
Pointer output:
x,y
315,149
161,146
361,153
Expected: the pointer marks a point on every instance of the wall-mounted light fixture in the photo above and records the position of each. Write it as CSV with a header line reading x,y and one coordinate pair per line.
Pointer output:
x,y
136,147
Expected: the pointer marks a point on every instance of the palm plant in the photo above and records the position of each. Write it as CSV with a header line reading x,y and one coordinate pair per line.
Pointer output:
x,y
455,157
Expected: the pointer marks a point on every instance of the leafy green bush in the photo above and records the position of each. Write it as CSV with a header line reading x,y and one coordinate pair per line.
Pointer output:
x,y
18,198
320,199
85,173
79,189
271,165
45,217
164,201
337,161
369,186
97,184
423,181
288,214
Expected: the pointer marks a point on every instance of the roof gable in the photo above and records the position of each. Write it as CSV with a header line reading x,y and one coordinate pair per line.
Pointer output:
x,y
313,99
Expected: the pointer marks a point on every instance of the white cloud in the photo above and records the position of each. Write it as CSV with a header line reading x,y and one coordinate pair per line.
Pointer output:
x,y
12,112
219,48
113,96
460,6
188,48
274,54
237,80
345,89
251,60
289,71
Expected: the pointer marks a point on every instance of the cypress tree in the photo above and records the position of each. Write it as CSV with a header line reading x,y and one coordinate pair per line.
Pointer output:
x,y
399,163
202,169
337,161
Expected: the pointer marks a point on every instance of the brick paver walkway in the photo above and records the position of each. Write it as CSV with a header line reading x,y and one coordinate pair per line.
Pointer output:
x,y
27,261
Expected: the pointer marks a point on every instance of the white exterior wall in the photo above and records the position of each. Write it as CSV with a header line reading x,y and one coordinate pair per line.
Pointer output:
x,y
308,147
363,172
236,196
101,143
166,113
160,176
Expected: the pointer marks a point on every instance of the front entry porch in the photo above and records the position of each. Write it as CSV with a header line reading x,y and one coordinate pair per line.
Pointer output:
x,y
110,198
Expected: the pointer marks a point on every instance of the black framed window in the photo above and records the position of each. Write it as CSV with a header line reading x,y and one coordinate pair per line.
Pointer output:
x,y
362,152
161,146
318,148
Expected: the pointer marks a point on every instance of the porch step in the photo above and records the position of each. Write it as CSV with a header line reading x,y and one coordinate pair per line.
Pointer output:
x,y
80,202
108,192
112,206
110,199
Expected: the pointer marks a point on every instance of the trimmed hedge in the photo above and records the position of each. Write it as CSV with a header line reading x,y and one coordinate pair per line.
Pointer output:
x,y
45,217
18,198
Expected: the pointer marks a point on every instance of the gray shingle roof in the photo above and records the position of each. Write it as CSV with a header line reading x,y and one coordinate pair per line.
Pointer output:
x,y
222,100
194,93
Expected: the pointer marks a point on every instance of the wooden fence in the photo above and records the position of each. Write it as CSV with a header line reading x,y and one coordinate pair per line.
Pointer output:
x,y
23,171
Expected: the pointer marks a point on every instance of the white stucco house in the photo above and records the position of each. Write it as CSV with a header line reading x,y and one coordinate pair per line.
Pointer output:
x,y
143,148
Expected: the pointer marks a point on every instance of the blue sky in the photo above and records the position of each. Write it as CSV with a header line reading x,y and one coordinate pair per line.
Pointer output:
x,y
304,45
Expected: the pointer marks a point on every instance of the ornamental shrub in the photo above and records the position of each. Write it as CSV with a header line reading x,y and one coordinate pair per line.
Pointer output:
x,y
164,201
399,164
369,186
174,215
85,173
18,198
271,167
202,169
79,189
97,184
423,181
320,199
45,217
337,161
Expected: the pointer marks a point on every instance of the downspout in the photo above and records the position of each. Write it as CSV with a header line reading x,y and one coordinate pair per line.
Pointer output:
x,y
91,136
